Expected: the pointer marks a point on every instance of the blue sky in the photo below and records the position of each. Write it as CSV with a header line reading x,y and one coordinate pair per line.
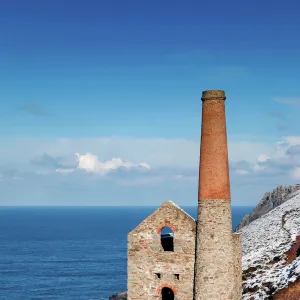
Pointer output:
x,y
123,79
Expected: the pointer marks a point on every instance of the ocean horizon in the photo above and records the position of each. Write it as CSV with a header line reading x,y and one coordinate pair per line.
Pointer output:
x,y
69,253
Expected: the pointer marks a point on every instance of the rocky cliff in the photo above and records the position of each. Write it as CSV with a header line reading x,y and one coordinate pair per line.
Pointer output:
x,y
268,202
119,296
271,253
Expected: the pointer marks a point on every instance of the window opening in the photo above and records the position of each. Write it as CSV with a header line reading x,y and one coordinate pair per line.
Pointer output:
x,y
157,275
167,239
176,276
167,294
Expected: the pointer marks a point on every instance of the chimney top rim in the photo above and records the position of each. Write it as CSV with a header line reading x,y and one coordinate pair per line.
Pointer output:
x,y
213,95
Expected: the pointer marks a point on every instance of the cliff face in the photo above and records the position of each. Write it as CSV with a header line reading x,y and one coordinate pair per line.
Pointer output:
x,y
119,296
271,253
268,202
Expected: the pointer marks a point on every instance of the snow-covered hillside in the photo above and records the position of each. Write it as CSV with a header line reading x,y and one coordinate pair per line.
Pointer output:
x,y
266,243
269,201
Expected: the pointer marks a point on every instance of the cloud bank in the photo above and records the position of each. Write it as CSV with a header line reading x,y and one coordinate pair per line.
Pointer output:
x,y
90,163
59,171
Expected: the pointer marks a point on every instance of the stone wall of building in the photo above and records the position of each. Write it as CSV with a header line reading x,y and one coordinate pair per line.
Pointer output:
x,y
215,259
238,271
215,276
150,268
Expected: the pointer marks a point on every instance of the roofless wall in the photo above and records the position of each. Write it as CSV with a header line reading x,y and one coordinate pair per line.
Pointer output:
x,y
161,265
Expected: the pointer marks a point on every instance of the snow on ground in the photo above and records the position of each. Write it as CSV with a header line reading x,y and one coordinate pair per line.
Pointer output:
x,y
265,241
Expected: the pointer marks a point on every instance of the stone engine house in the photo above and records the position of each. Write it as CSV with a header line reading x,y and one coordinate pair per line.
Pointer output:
x,y
200,261
161,255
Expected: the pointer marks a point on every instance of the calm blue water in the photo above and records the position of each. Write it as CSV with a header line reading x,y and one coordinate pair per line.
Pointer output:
x,y
68,253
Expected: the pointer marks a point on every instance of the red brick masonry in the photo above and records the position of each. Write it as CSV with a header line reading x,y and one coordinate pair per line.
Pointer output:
x,y
166,224
158,290
213,173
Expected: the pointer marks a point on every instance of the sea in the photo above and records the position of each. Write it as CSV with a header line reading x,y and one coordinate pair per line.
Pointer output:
x,y
69,253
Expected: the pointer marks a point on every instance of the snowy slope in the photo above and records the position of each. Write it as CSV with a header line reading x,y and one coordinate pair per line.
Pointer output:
x,y
269,201
265,242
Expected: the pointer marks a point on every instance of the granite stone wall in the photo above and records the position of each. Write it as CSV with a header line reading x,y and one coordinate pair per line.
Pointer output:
x,y
150,268
238,271
216,257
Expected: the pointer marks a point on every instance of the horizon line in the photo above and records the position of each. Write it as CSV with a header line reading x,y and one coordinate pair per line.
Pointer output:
x,y
23,206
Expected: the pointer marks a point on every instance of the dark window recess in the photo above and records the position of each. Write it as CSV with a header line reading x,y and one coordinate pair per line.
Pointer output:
x,y
176,276
157,275
167,294
167,239
298,252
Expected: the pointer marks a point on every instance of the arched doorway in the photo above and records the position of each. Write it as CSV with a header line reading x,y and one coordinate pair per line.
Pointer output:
x,y
167,239
167,294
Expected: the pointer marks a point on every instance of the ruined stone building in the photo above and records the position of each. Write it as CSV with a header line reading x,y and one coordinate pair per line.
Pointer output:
x,y
162,264
202,260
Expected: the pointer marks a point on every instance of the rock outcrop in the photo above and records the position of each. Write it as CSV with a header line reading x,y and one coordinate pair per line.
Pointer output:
x,y
271,253
269,202
119,296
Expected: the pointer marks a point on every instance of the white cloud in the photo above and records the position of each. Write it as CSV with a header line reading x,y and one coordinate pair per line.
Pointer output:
x,y
242,172
142,181
125,162
157,152
295,173
65,171
262,158
249,151
283,160
181,177
287,100
292,140
90,163
119,153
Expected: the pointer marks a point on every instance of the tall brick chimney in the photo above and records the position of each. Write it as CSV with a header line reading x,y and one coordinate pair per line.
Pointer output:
x,y
215,274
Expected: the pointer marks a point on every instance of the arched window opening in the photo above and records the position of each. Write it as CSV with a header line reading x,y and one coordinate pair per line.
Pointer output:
x,y
167,239
298,252
167,294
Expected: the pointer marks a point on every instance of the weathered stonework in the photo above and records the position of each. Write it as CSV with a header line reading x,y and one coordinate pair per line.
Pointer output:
x,y
215,275
147,258
218,264
212,270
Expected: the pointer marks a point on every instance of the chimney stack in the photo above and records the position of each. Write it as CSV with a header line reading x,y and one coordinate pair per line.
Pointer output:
x,y
215,259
